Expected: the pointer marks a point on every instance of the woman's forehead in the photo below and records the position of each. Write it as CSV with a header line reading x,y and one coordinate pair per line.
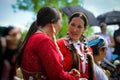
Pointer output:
x,y
15,30
77,19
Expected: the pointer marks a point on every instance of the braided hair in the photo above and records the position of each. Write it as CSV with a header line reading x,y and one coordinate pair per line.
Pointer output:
x,y
88,57
83,39
75,57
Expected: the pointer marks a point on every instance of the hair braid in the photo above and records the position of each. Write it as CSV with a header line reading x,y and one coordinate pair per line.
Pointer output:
x,y
88,57
75,57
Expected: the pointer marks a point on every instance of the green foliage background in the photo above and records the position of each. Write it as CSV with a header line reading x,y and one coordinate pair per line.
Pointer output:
x,y
35,5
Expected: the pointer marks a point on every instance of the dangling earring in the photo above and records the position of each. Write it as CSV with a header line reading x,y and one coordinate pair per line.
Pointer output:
x,y
54,31
53,28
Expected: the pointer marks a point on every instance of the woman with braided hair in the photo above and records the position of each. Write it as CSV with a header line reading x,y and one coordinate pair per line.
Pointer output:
x,y
99,47
74,48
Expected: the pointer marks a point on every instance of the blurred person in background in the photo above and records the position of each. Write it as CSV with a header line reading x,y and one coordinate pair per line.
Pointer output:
x,y
117,42
99,49
109,39
9,44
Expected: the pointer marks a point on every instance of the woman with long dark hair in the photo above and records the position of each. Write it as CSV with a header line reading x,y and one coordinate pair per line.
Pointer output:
x,y
74,48
40,57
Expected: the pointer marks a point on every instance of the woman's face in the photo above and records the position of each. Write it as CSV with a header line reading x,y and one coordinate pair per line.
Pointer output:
x,y
14,36
76,28
104,28
58,25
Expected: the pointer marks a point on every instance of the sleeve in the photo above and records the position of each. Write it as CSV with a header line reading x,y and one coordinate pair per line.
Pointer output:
x,y
100,75
50,59
67,63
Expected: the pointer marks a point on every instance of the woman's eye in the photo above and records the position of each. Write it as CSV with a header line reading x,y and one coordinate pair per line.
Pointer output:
x,y
79,26
72,25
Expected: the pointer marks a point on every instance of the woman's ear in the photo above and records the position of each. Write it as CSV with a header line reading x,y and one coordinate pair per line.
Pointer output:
x,y
100,49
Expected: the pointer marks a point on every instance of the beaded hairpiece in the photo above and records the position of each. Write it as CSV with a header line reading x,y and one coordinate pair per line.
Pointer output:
x,y
97,40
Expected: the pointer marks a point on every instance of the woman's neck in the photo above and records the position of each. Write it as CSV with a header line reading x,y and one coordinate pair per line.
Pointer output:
x,y
12,46
75,41
46,30
103,32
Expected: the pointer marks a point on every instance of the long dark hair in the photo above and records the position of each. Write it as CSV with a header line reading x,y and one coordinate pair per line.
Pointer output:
x,y
45,15
75,57
82,16
83,39
32,29
74,53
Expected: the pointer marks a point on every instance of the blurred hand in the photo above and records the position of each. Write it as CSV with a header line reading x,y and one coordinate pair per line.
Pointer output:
x,y
75,73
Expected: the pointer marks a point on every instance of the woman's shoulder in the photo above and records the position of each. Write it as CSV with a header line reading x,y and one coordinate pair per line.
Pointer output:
x,y
62,43
39,36
62,40
100,73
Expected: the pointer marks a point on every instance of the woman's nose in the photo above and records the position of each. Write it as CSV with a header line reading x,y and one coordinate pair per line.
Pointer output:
x,y
75,29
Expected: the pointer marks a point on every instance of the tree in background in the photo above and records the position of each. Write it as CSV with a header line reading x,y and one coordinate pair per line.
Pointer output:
x,y
35,5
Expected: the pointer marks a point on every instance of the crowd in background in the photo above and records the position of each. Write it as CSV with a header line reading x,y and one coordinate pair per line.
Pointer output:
x,y
74,57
